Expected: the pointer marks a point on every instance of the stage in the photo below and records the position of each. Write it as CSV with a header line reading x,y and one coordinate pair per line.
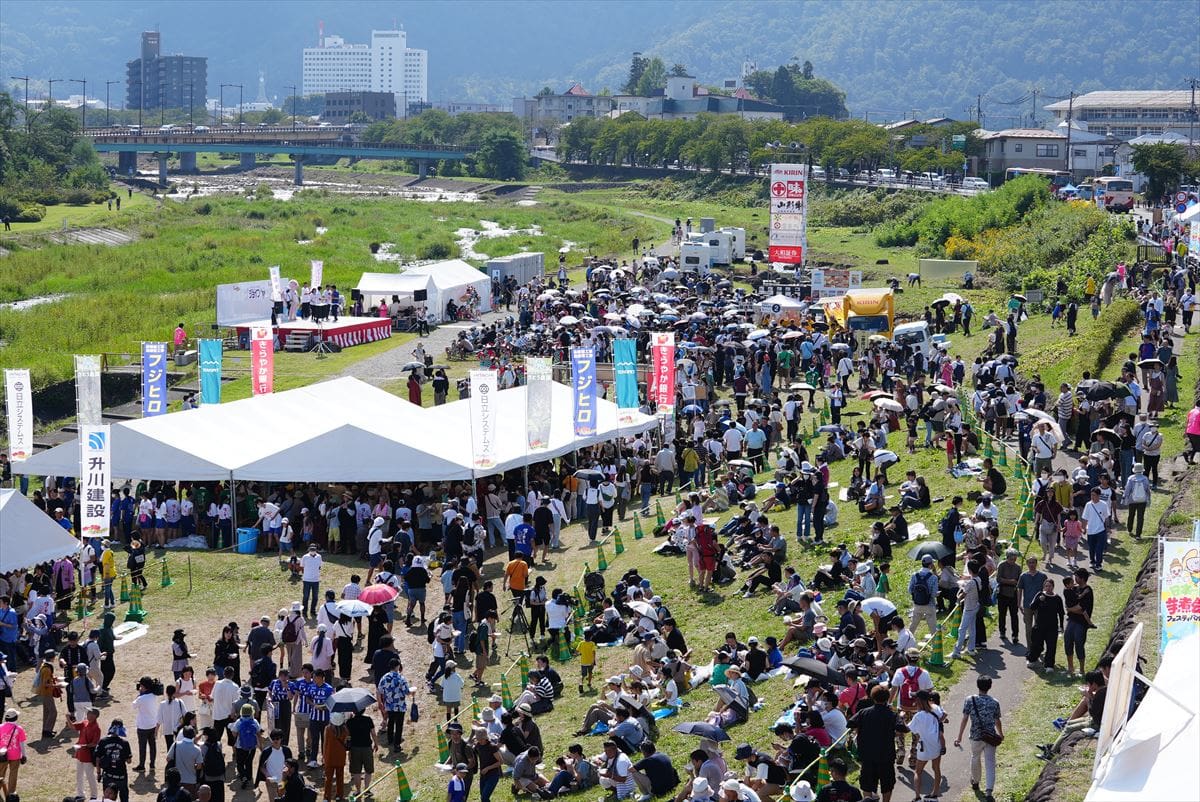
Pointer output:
x,y
345,332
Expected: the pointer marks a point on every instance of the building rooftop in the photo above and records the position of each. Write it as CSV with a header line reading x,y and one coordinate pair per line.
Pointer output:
x,y
1132,97
578,90
1024,133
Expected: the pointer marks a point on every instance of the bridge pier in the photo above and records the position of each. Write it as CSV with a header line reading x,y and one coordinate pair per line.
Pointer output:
x,y
126,162
422,168
248,161
187,163
162,168
299,164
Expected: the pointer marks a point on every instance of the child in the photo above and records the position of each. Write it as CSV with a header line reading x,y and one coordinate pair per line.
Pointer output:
x,y
948,443
452,688
912,420
82,691
1056,314
352,590
587,659
1071,534
883,584
286,535
456,789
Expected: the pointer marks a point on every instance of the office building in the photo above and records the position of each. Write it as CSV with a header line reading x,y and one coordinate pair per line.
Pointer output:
x,y
1129,114
387,64
155,81
573,103
341,106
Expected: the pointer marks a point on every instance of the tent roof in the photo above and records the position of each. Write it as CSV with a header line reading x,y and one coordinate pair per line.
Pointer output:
x,y
1192,212
28,536
1154,757
785,301
388,283
452,422
449,274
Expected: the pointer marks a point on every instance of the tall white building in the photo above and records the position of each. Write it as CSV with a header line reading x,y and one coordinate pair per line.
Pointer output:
x,y
385,65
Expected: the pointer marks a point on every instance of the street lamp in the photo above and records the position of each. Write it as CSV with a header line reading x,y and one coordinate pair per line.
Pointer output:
x,y
51,83
191,106
107,105
293,88
83,105
223,87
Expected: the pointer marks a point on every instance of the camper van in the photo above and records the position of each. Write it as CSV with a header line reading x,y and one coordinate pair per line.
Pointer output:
x,y
721,243
737,238
696,256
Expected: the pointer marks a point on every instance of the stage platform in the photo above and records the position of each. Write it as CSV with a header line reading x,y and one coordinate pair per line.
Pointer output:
x,y
346,332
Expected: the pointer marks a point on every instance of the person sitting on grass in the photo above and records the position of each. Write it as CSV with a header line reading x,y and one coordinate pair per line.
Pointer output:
x,y
575,772
526,777
733,705
1085,716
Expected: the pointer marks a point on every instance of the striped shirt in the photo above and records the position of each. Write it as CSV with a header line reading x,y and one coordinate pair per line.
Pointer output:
x,y
303,689
320,695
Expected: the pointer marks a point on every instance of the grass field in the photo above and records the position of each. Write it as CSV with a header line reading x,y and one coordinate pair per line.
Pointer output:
x,y
96,214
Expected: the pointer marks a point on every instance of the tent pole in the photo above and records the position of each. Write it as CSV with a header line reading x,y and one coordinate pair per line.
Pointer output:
x,y
232,512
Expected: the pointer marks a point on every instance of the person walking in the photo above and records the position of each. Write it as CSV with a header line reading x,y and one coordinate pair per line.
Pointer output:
x,y
923,590
1030,585
1008,576
113,756
1136,496
12,740
982,712
1095,520
311,576
1078,601
876,728
1049,615
970,589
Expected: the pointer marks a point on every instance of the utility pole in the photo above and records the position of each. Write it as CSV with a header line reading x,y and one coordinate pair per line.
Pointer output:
x,y
1070,111
293,88
979,110
1034,92
51,82
83,105
25,78
107,105
239,86
1191,117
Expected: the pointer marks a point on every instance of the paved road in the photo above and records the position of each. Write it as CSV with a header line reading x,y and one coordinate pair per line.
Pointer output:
x,y
383,368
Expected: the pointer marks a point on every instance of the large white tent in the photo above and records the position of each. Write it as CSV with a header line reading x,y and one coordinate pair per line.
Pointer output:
x,y
343,430
452,422
1154,757
450,280
28,536
374,286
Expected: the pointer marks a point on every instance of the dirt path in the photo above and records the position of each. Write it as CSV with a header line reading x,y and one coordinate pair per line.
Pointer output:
x,y
385,367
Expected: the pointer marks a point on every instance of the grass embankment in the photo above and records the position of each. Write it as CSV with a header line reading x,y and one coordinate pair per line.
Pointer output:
x,y
94,214
118,297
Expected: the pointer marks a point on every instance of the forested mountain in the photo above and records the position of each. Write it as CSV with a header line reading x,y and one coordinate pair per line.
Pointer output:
x,y
890,58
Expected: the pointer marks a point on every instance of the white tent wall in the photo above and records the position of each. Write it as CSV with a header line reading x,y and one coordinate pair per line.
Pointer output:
x,y
28,536
376,286
524,267
450,280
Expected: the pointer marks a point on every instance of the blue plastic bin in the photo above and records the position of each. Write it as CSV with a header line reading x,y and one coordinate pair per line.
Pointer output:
x,y
247,541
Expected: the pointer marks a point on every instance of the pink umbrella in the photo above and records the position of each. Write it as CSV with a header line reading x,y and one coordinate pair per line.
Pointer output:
x,y
378,594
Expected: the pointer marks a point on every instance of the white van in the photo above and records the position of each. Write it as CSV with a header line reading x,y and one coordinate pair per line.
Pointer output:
x,y
914,335
975,183
696,257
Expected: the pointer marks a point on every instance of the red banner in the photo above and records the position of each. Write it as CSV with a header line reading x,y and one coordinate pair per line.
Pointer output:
x,y
790,254
662,368
262,360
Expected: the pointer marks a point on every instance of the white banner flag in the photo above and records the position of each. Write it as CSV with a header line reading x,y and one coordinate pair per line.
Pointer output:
x,y
318,273
483,419
538,400
19,398
95,480
87,390
276,284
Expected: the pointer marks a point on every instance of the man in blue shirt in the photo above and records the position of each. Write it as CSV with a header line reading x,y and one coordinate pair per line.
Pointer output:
x,y
318,692
523,537
10,633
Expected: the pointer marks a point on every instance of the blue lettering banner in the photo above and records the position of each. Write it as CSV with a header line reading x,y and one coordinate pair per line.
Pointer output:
x,y
210,371
154,379
583,382
625,368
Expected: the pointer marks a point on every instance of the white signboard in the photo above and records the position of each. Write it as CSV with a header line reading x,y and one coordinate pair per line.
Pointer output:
x,y
18,396
95,479
245,302
787,233
317,274
276,283
483,418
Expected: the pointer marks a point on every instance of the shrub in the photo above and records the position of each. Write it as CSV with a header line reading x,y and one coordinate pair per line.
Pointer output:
x,y
203,208
374,246
437,250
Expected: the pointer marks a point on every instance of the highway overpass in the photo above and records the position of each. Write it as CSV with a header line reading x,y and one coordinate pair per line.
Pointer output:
x,y
249,142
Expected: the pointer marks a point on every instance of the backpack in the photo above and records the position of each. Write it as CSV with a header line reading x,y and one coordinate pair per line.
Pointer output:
x,y
429,632
920,593
473,641
290,631
910,686
1137,491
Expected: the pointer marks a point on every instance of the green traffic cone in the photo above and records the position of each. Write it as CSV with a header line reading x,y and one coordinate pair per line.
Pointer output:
x,y
618,545
938,657
638,534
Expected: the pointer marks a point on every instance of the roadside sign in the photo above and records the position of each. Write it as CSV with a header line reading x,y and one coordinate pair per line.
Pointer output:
x,y
787,234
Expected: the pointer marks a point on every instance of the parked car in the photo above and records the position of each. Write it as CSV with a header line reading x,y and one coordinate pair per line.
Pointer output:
x,y
200,129
973,182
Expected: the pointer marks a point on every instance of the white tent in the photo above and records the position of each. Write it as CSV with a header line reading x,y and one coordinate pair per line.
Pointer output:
x,y
450,280
1154,757
780,307
1191,214
28,536
384,285
452,423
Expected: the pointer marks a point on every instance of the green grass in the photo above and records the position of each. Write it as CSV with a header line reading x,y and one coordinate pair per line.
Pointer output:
x,y
95,214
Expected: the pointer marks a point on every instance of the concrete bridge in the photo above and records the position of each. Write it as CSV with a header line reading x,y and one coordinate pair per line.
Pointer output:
x,y
300,143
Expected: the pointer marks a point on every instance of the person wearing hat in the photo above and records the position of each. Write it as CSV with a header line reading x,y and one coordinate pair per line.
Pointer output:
x,y
112,757
767,777
734,706
459,785
701,791
876,728
462,753
245,731
334,750
310,575
906,683
47,687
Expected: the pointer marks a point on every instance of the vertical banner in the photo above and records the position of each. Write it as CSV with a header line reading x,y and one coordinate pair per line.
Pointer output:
x,y
1194,239
538,394
276,284
154,379
87,390
318,273
18,398
788,190
625,370
483,419
95,478
583,382
662,368
262,360
1179,590
210,371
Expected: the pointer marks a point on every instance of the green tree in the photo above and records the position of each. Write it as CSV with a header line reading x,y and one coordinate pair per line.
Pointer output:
x,y
653,77
678,70
501,155
636,68
1163,164
273,117
783,91
806,71
360,118
545,91
759,83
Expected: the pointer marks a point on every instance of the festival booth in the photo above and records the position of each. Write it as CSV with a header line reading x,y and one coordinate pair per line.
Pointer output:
x,y
452,423
521,267
780,308
454,280
28,536
410,288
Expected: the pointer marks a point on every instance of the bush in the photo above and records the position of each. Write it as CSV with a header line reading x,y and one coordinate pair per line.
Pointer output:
x,y
203,208
77,197
864,208
437,250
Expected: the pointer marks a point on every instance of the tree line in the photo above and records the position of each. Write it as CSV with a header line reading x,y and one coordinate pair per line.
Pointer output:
x,y
497,139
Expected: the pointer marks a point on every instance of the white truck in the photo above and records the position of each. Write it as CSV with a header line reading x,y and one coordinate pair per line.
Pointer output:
x,y
696,256
914,335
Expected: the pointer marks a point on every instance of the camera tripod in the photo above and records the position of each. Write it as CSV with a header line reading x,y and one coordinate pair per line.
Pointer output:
x,y
321,349
517,624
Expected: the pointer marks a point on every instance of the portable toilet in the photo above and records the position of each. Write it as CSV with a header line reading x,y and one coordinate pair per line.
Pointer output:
x,y
721,243
696,256
707,224
738,242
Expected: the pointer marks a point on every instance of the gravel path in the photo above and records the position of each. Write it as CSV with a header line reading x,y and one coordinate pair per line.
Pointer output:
x,y
383,368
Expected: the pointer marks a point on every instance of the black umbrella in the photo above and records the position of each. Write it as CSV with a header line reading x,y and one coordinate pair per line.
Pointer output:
x,y
931,547
1109,433
702,729
350,700
817,669
589,474
1102,390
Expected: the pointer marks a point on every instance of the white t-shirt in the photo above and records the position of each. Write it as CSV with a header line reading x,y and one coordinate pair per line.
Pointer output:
x,y
312,566
926,726
732,439
1095,514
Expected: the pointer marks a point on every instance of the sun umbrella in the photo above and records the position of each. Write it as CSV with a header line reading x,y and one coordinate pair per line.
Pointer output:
x,y
692,409
1046,417
731,313
792,335
817,669
413,366
353,608
941,302
548,295
758,334
377,594
1103,390
931,547
724,284
888,403
741,463
1018,296
839,347
942,388
801,386
819,326
1150,363
350,700
568,320
614,317
878,338
589,474
702,729
871,395
643,609
1109,433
